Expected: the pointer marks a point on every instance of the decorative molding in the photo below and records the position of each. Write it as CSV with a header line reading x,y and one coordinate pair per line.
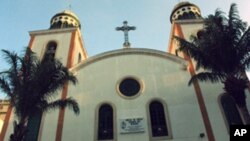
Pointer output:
x,y
129,51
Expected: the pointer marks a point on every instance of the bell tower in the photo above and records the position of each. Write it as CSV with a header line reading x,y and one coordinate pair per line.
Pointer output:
x,y
186,20
62,40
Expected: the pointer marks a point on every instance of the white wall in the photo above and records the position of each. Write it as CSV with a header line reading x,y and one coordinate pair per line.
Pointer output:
x,y
163,79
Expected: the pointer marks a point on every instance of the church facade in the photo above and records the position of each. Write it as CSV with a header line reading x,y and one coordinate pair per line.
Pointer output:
x,y
130,94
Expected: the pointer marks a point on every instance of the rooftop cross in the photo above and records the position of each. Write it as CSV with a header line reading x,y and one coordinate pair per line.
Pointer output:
x,y
70,8
125,28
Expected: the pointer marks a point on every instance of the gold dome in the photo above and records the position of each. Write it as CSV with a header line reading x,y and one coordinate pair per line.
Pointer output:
x,y
185,10
64,19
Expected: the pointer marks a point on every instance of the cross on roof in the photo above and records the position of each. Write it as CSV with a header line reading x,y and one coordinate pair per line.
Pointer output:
x,y
125,28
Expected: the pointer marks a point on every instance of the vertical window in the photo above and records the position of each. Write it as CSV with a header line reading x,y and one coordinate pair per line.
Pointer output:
x,y
158,120
33,127
230,110
79,57
105,123
51,50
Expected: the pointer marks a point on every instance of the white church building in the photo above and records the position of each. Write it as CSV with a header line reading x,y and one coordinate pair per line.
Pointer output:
x,y
130,94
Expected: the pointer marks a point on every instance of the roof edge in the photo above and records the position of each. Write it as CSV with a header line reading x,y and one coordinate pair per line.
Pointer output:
x,y
129,51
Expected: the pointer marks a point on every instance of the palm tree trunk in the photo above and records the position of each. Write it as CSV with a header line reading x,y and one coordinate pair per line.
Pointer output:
x,y
235,87
245,114
20,130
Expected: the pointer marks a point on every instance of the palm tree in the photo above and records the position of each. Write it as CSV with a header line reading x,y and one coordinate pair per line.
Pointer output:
x,y
222,49
31,86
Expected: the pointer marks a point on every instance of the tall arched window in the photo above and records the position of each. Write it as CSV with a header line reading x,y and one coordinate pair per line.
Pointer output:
x,y
158,121
105,129
50,50
230,110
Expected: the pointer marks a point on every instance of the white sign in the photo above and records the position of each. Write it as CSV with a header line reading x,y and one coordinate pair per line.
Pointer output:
x,y
132,125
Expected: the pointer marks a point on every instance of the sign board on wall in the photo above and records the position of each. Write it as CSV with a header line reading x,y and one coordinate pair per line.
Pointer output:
x,y
132,125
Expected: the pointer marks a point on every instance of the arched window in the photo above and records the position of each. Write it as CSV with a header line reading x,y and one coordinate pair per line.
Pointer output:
x,y
105,129
158,121
50,50
230,110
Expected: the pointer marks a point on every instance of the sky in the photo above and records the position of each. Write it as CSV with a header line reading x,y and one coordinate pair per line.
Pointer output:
x,y
99,18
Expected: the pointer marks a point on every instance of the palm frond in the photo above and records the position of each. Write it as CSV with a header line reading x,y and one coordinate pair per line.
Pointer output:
x,y
235,25
11,58
13,74
188,48
52,79
216,21
196,49
60,104
27,64
243,45
246,62
5,87
207,76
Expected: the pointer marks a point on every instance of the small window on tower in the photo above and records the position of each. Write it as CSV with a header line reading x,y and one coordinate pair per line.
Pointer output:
x,y
79,57
50,50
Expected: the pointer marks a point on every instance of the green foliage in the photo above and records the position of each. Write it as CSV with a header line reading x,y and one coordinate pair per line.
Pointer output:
x,y
31,86
222,49
235,87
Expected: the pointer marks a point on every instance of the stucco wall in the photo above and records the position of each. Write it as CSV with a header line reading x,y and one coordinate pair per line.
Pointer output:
x,y
62,38
162,79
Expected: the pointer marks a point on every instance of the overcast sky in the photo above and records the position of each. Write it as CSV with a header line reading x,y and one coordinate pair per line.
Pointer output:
x,y
99,19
